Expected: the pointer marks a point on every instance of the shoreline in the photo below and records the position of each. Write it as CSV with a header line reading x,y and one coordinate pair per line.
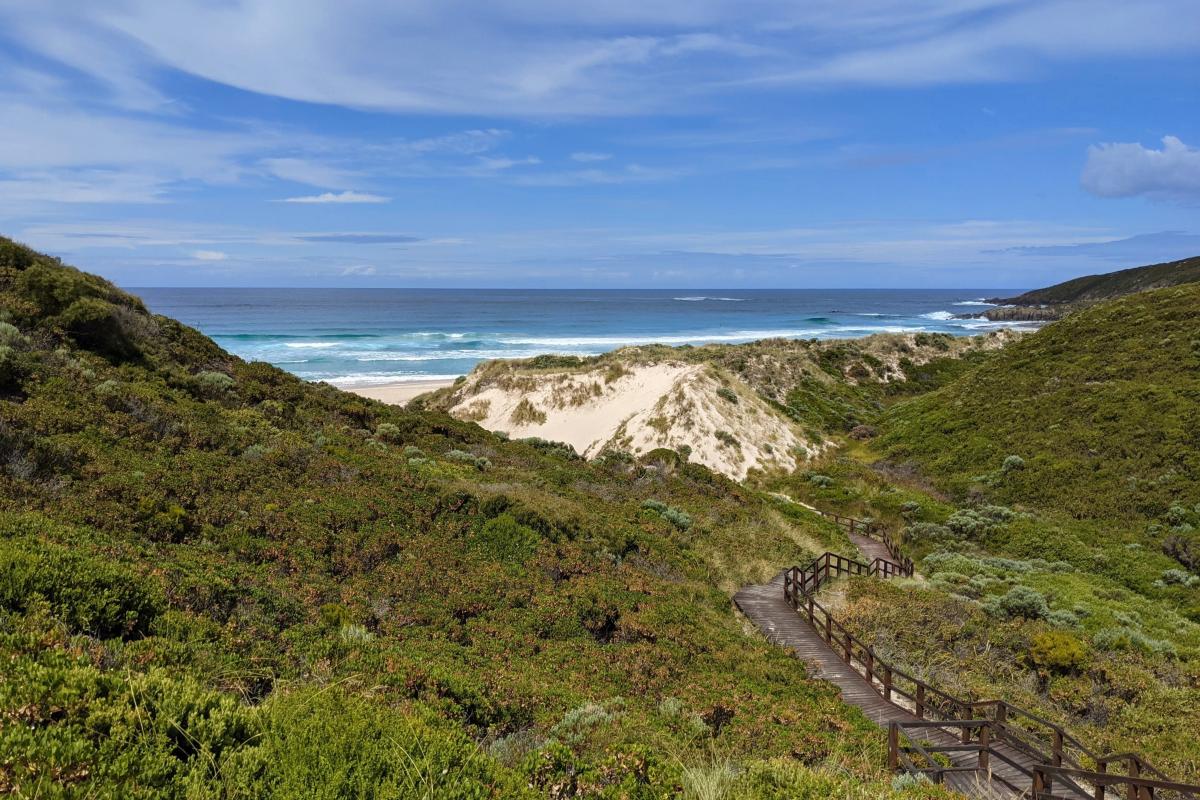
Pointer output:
x,y
398,392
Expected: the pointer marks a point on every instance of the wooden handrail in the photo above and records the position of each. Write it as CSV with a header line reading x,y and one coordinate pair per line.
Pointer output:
x,y
1052,746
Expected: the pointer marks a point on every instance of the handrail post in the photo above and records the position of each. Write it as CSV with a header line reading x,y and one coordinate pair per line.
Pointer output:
x,y
1058,747
1133,769
1039,782
985,740
887,683
893,746
812,617
920,701
848,645
1102,768
828,628
869,664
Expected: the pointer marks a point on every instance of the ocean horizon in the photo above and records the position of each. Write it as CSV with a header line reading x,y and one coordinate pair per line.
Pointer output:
x,y
364,337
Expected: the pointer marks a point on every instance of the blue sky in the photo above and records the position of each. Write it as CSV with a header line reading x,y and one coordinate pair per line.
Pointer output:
x,y
648,143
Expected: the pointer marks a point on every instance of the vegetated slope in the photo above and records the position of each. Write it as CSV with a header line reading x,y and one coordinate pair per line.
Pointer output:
x,y
767,406
219,581
1101,411
1110,285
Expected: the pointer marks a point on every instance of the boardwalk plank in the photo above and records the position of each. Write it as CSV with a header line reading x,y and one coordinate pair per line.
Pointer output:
x,y
767,608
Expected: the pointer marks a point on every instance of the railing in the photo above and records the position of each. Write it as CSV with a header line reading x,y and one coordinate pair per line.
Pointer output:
x,y
872,531
1044,744
1131,786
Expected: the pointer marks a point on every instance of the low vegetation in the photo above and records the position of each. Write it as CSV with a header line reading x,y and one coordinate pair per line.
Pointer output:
x,y
219,581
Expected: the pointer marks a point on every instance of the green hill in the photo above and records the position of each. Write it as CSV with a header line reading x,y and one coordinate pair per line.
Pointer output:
x,y
1101,411
1095,288
219,581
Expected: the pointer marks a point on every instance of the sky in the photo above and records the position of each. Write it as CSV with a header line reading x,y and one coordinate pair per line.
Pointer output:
x,y
615,144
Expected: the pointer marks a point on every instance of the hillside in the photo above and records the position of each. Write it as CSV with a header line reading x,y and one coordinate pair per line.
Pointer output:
x,y
1100,409
1057,301
765,406
1109,285
219,581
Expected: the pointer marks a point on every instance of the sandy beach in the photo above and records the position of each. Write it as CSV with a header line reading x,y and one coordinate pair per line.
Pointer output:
x,y
397,393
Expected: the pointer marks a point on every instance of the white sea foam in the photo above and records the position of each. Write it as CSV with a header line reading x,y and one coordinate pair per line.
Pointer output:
x,y
699,298
310,345
973,303
938,315
375,378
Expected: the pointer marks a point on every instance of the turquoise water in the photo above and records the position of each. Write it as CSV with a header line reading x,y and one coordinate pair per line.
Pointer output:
x,y
365,336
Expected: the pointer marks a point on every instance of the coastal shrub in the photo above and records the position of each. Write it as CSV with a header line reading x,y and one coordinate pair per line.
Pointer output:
x,y
577,723
412,451
461,455
502,538
727,439
820,481
328,744
10,335
390,432
725,393
100,326
1024,602
526,413
680,519
13,368
975,523
213,384
1179,577
929,533
86,594
1126,637
708,781
1057,651
1012,463
559,449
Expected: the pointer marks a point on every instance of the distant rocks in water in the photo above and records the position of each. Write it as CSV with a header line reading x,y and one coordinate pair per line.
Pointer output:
x,y
1021,313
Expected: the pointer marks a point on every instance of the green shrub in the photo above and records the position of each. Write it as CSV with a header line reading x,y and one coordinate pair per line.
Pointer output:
x,y
1056,651
88,595
390,432
213,384
821,481
680,519
504,539
97,325
725,393
1126,637
1024,602
1012,463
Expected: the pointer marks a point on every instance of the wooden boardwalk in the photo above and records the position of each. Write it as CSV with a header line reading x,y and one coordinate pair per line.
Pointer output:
x,y
766,606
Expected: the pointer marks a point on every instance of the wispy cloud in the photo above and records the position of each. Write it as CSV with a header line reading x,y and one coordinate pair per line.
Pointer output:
x,y
339,197
548,58
359,238
633,173
586,157
210,255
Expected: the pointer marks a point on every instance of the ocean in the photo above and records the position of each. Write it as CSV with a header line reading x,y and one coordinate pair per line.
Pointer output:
x,y
374,336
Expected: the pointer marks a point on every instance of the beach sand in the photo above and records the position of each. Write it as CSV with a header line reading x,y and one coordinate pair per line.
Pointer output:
x,y
397,393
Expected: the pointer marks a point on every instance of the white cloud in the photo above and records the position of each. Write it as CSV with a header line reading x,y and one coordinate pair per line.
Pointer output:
x,y
633,173
302,170
589,157
543,57
339,197
360,269
210,255
1129,169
